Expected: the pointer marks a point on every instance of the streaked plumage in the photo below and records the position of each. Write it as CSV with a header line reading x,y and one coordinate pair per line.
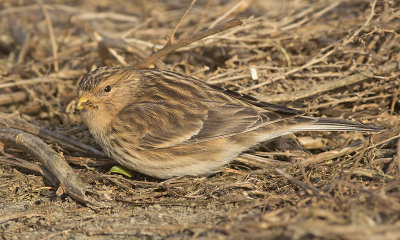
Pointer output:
x,y
165,124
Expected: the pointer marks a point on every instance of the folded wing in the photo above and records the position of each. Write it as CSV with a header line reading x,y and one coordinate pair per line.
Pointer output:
x,y
164,124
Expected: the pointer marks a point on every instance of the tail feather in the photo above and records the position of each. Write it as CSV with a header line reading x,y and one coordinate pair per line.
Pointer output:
x,y
333,124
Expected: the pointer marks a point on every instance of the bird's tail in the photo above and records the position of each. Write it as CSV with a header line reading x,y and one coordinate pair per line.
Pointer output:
x,y
333,124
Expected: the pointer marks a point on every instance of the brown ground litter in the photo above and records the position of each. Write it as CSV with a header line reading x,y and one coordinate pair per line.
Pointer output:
x,y
328,58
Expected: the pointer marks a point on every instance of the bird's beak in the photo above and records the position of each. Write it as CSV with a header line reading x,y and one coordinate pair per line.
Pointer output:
x,y
83,104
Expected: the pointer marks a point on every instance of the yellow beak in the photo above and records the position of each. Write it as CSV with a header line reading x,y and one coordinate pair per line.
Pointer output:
x,y
83,104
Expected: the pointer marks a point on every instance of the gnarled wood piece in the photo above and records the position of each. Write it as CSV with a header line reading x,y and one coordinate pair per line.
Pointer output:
x,y
55,164
11,121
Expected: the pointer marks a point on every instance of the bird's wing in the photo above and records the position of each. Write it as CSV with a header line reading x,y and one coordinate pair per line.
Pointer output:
x,y
161,125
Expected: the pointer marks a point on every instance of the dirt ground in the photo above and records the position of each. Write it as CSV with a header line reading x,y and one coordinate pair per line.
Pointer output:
x,y
328,58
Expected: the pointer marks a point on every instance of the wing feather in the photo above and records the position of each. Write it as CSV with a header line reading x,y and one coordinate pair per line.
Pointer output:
x,y
164,124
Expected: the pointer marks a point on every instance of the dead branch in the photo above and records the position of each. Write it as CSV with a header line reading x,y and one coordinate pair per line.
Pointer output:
x,y
14,161
186,41
68,143
54,163
376,139
334,84
298,182
54,46
171,39
14,97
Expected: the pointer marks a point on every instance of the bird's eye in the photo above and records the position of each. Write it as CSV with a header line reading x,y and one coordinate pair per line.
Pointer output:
x,y
107,88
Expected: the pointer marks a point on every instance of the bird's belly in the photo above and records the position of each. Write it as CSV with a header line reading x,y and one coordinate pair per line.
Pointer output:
x,y
197,159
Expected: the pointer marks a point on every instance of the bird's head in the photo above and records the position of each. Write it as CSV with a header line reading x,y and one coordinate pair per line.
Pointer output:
x,y
103,93
105,89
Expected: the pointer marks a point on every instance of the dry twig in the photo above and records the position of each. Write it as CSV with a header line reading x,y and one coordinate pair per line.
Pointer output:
x,y
334,84
54,163
69,143
186,41
52,37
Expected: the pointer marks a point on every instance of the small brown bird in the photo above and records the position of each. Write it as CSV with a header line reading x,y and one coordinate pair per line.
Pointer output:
x,y
165,124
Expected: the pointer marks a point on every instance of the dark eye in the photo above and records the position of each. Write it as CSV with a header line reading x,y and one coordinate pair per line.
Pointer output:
x,y
107,88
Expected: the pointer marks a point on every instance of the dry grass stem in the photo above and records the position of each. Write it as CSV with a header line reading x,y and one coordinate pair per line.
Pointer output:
x,y
327,58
